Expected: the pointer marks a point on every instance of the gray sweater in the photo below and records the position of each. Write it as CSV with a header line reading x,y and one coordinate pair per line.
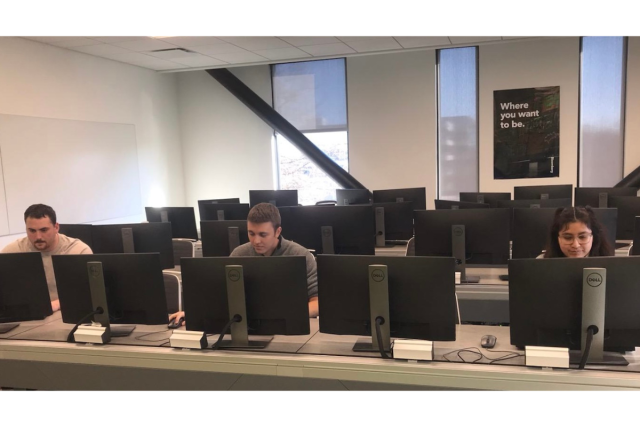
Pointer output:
x,y
288,248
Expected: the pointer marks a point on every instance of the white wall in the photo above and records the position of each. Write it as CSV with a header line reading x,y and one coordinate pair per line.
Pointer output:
x,y
539,63
226,147
40,80
392,121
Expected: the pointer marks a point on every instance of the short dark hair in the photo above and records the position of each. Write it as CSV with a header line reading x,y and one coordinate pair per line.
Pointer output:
x,y
40,211
265,212
585,215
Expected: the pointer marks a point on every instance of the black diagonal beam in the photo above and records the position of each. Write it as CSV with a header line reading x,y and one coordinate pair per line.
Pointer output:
x,y
283,127
631,180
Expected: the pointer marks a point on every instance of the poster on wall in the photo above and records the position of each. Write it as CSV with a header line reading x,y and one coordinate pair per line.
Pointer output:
x,y
526,133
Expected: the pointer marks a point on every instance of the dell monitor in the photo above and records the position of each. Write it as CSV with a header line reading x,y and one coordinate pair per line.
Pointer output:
x,y
224,211
182,219
274,296
358,196
220,238
598,197
534,203
79,231
394,222
332,229
24,294
275,197
628,209
135,238
417,302
543,192
416,195
546,297
453,204
635,250
531,229
133,286
490,198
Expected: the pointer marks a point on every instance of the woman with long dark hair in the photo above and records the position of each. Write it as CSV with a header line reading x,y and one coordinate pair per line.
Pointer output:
x,y
577,233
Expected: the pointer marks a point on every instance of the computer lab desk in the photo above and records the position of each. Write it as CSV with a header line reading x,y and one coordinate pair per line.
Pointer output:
x,y
314,362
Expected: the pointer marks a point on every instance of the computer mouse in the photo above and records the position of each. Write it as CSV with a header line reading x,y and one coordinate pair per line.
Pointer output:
x,y
175,325
488,341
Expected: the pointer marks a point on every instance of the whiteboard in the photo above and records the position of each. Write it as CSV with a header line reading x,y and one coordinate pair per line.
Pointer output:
x,y
86,171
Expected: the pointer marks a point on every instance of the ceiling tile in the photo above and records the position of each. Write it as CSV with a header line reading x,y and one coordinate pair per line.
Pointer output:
x,y
75,41
118,39
47,40
515,37
199,61
144,45
154,64
239,58
372,44
469,40
216,49
286,53
172,54
328,49
129,57
101,50
256,43
191,41
309,41
409,42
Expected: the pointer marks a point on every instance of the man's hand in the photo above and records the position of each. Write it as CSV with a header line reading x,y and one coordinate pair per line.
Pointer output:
x,y
55,305
313,307
176,316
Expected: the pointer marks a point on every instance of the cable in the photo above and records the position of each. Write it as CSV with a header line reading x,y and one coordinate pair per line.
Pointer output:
x,y
458,308
151,333
478,352
70,337
235,319
591,331
380,321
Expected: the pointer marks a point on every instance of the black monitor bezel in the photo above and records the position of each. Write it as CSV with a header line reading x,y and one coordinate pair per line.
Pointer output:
x,y
182,219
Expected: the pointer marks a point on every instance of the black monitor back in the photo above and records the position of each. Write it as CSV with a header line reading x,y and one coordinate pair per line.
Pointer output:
x,y
421,296
349,196
528,203
232,211
453,204
590,196
24,294
275,292
490,198
398,220
563,191
353,227
133,282
215,236
416,195
628,209
79,231
531,229
635,250
182,219
486,232
545,301
280,197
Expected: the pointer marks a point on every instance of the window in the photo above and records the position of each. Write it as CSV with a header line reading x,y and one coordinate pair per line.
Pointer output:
x,y
602,79
312,97
457,122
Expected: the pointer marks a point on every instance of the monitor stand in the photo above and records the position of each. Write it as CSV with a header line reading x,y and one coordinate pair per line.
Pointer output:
x,y
98,291
237,306
380,230
458,250
6,327
326,232
379,307
121,330
603,200
234,238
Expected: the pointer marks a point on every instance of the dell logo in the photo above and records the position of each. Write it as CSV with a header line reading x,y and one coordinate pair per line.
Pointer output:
x,y
234,275
458,231
594,280
377,275
94,270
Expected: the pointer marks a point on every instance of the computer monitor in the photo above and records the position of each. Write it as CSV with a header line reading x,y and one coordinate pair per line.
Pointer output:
x,y
359,196
545,301
332,229
214,201
275,294
490,198
534,203
598,197
275,197
420,298
224,211
78,231
133,283
220,238
635,250
453,204
144,238
24,294
543,192
182,219
628,209
393,221
416,195
531,229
